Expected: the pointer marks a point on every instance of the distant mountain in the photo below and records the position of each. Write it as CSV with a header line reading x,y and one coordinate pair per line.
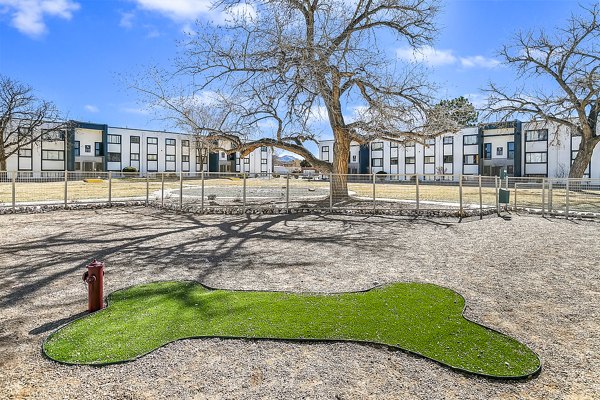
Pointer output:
x,y
287,159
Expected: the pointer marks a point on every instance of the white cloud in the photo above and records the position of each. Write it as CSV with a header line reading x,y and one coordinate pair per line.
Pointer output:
x,y
479,61
428,55
437,57
318,114
127,20
91,108
28,15
179,10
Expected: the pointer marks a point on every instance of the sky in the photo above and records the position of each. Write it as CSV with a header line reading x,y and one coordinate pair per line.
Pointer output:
x,y
74,52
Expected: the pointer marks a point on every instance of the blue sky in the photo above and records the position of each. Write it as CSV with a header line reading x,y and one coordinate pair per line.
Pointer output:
x,y
73,51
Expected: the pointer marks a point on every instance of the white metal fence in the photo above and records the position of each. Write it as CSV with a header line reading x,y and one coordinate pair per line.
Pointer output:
x,y
390,193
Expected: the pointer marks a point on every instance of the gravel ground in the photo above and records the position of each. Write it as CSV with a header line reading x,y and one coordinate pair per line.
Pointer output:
x,y
535,279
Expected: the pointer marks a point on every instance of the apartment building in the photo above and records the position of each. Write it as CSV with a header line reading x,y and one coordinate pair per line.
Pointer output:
x,y
98,147
521,148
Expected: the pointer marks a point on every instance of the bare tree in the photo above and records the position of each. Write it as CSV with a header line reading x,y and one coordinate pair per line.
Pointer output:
x,y
274,65
22,116
566,63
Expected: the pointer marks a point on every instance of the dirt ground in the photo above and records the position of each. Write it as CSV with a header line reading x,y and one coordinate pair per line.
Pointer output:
x,y
535,279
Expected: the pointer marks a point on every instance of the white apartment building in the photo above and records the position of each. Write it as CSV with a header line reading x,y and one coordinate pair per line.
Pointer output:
x,y
522,148
99,147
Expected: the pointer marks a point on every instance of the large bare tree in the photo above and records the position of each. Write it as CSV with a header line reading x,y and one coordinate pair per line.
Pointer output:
x,y
566,66
273,67
22,116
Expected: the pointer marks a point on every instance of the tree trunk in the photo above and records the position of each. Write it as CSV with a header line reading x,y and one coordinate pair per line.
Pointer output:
x,y
2,157
341,151
583,158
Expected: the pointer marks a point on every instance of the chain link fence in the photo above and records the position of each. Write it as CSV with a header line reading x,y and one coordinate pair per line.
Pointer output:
x,y
459,195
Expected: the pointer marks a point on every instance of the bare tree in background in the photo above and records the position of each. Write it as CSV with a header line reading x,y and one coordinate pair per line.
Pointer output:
x,y
566,63
22,116
275,65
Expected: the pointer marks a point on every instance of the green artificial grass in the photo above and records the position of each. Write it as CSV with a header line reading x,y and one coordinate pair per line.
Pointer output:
x,y
420,318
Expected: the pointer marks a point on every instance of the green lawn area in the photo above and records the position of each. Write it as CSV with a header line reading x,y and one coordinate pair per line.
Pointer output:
x,y
421,318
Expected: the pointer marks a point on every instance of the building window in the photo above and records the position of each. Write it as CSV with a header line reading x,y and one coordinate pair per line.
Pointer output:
x,y
53,155
185,158
394,161
246,160
429,160
449,159
511,150
88,148
135,140
263,149
135,157
185,143
536,158
471,159
114,139
409,144
377,146
152,140
24,152
409,160
170,158
113,157
152,157
394,145
430,142
487,151
170,142
49,135
536,135
448,140
263,161
470,140
499,151
354,158
76,148
325,149
98,149
377,162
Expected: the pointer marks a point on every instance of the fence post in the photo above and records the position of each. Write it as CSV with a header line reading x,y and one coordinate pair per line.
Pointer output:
x,y
480,200
373,193
330,192
287,193
162,189
66,187
543,196
147,189
496,183
244,196
460,194
516,197
567,198
550,205
202,192
14,190
110,188
180,190
417,190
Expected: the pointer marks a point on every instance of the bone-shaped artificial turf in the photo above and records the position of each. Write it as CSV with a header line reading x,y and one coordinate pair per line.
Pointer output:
x,y
420,318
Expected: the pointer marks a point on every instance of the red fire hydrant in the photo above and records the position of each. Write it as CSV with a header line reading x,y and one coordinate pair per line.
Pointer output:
x,y
94,278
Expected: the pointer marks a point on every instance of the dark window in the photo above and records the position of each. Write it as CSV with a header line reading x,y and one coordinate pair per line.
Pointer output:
x,y
536,135
536,158
470,139
135,157
113,157
49,135
185,158
409,160
487,151
448,140
511,150
471,159
76,148
53,155
246,160
98,149
394,161
325,149
114,139
429,159
448,159
170,158
152,140
24,152
377,146
499,151
377,162
170,142
263,149
135,139
152,157
185,143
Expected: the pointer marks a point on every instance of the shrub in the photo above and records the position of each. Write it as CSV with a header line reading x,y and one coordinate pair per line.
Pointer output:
x,y
130,169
